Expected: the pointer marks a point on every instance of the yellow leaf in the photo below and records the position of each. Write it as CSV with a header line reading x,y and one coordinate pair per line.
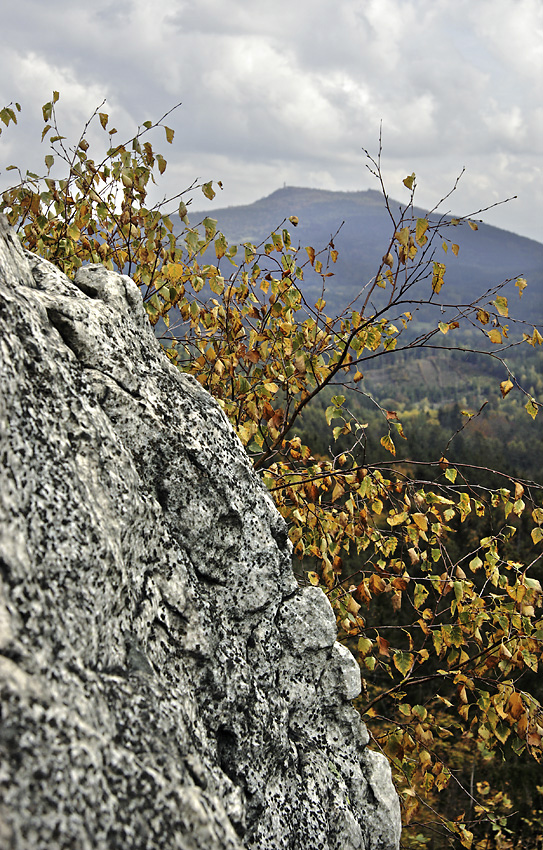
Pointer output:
x,y
537,535
173,271
220,246
365,645
501,305
521,284
483,317
402,236
464,506
473,225
311,254
216,284
397,519
494,335
73,232
420,595
408,181
437,276
466,837
455,249
506,387
532,408
208,190
422,227
338,491
169,134
244,434
387,443
421,521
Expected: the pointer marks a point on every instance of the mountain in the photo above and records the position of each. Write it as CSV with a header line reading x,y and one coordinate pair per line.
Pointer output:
x,y
486,257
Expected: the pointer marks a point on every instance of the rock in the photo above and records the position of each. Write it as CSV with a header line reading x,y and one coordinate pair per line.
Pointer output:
x,y
164,681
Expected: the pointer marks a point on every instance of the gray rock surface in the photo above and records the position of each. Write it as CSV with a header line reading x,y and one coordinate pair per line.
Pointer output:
x,y
164,682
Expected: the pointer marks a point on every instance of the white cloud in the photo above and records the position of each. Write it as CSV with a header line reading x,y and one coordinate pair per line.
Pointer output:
x,y
36,74
292,91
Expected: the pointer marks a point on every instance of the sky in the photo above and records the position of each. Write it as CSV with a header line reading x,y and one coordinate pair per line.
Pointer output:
x,y
292,92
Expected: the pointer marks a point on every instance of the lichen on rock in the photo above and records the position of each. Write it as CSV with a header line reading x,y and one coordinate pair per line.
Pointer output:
x,y
164,682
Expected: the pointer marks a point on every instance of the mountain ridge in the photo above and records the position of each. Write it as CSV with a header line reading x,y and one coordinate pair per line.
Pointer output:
x,y
486,257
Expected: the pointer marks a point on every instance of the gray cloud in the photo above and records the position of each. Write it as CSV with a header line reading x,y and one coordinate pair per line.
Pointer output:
x,y
292,91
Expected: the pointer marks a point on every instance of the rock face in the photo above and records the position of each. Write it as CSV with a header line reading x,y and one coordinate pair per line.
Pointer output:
x,y
164,682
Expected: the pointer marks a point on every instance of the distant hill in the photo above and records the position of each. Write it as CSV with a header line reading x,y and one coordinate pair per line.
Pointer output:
x,y
487,256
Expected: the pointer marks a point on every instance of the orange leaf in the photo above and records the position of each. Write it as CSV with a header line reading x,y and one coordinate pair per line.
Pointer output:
x,y
383,646
515,706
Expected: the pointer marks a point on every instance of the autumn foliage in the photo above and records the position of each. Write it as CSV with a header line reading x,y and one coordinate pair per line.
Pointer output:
x,y
446,644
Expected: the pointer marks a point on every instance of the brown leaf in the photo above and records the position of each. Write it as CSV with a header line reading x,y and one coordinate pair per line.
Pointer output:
x,y
377,585
383,646
515,706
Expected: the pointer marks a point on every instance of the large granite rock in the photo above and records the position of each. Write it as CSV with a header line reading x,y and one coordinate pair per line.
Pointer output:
x,y
164,682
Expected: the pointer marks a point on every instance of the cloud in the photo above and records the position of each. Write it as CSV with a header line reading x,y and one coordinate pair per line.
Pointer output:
x,y
292,92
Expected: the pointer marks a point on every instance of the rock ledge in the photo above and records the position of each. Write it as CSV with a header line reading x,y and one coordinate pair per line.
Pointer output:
x,y
164,681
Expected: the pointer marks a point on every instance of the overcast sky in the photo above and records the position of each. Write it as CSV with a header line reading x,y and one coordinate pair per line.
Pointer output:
x,y
291,91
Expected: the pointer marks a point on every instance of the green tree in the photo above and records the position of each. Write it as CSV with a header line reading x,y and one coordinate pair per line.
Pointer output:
x,y
445,637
